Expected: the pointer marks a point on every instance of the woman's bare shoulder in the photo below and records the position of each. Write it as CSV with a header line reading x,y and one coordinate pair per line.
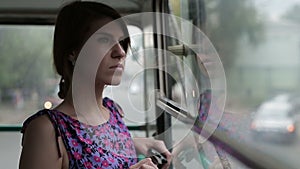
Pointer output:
x,y
40,123
39,145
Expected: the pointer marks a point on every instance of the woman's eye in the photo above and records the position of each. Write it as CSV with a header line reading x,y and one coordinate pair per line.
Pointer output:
x,y
103,40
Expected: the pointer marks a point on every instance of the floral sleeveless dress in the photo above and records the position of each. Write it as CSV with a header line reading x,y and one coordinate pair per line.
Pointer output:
x,y
106,146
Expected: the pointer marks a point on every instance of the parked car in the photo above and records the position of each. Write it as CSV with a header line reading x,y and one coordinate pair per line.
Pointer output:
x,y
274,121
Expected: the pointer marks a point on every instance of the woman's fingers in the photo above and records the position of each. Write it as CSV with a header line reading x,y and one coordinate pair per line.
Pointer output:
x,y
155,149
161,148
144,164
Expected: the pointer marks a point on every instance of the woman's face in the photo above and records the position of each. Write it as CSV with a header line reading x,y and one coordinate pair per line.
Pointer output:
x,y
107,52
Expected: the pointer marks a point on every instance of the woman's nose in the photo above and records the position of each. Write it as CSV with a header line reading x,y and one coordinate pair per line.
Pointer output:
x,y
118,51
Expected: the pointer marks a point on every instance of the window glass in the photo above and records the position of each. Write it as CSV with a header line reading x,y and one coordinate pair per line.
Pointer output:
x,y
27,79
258,43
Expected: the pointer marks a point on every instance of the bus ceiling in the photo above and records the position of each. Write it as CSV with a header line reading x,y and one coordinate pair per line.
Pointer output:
x,y
43,12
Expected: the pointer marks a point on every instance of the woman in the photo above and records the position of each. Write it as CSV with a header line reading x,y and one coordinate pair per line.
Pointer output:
x,y
72,136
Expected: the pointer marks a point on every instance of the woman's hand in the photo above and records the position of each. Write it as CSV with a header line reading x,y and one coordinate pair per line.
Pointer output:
x,y
144,164
143,145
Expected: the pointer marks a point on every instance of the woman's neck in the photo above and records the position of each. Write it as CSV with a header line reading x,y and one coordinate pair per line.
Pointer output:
x,y
85,105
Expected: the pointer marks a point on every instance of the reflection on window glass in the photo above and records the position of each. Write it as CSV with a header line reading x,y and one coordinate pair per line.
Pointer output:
x,y
27,79
258,42
259,45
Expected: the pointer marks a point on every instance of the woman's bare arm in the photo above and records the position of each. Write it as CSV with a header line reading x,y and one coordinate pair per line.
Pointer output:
x,y
40,146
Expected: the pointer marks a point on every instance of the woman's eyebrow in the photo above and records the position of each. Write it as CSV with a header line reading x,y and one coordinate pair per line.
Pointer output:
x,y
104,33
110,35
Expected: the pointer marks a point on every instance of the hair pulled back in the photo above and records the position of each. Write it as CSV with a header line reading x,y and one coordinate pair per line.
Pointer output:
x,y
72,26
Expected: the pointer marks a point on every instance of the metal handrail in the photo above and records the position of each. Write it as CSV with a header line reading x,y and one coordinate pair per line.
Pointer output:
x,y
10,128
17,128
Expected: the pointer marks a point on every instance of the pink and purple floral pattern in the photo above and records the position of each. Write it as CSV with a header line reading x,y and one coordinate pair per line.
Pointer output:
x,y
106,146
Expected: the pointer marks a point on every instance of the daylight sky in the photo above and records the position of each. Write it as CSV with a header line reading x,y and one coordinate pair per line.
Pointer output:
x,y
274,8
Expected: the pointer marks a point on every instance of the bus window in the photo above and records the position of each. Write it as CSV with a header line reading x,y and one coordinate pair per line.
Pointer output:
x,y
189,81
28,82
258,44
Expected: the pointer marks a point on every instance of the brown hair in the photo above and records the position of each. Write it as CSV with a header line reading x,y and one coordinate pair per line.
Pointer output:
x,y
71,32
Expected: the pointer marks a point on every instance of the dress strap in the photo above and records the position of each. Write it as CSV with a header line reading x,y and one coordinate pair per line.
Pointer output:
x,y
113,106
119,109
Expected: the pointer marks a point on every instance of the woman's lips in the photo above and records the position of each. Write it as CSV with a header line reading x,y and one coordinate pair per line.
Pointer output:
x,y
117,66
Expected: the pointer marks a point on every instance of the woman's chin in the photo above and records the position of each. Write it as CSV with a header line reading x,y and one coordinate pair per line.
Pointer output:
x,y
114,82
